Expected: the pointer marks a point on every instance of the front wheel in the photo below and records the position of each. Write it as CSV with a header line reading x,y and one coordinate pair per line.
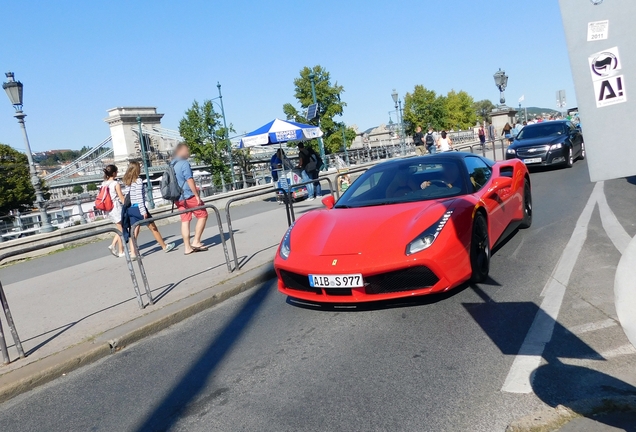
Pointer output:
x,y
480,249
570,160
527,206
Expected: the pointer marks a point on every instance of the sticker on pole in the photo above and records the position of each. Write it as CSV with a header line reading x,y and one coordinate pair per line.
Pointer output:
x,y
610,91
605,64
609,86
597,30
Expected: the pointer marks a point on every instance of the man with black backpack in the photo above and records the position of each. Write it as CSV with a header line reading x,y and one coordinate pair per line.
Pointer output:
x,y
310,163
189,198
430,139
418,140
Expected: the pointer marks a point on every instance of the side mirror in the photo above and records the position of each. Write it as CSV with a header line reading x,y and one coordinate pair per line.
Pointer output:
x,y
329,201
501,183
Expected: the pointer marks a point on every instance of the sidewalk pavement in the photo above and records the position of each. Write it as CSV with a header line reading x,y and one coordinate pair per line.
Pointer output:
x,y
77,305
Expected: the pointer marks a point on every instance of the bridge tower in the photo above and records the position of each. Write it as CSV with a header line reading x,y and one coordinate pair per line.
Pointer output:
x,y
124,131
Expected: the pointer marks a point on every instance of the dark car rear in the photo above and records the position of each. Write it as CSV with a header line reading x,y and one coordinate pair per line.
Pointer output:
x,y
548,143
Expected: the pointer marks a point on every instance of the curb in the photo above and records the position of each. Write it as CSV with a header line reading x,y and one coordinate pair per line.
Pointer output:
x,y
552,419
35,374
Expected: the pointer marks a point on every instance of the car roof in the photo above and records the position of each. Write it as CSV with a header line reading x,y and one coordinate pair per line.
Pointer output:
x,y
440,157
547,122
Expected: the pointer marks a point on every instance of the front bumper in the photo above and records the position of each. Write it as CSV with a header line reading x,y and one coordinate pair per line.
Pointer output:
x,y
544,158
405,282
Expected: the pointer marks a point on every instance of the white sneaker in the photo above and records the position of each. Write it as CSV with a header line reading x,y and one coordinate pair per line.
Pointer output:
x,y
169,247
311,199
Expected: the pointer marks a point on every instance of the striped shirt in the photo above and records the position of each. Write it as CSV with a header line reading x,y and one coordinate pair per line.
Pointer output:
x,y
137,192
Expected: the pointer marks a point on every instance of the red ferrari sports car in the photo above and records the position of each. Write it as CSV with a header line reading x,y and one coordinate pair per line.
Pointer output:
x,y
404,228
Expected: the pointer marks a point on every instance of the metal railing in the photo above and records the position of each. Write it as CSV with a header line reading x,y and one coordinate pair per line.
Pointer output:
x,y
288,208
52,243
148,221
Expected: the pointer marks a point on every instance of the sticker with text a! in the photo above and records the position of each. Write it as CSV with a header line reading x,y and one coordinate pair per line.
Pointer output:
x,y
597,30
610,91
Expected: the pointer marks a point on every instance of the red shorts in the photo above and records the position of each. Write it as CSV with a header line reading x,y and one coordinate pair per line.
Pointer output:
x,y
191,203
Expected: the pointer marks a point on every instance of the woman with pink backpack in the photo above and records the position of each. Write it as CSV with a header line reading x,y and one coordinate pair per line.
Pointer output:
x,y
116,248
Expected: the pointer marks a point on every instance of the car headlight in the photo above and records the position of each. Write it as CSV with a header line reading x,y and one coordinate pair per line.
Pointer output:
x,y
556,146
510,151
427,238
285,245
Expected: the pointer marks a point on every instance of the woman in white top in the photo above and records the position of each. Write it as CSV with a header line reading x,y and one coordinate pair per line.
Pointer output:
x,y
117,197
136,189
444,143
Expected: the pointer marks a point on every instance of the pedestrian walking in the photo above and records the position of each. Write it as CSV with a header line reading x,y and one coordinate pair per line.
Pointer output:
x,y
445,143
481,133
310,163
430,140
418,140
507,132
116,248
492,133
189,199
135,210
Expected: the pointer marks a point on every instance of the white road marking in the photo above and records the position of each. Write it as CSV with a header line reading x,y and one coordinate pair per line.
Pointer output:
x,y
519,379
624,350
590,327
615,231
620,351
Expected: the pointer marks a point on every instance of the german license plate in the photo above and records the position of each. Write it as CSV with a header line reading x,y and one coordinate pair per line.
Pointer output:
x,y
532,160
336,281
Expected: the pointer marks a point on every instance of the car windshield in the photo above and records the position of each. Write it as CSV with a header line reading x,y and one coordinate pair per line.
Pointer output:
x,y
542,130
409,181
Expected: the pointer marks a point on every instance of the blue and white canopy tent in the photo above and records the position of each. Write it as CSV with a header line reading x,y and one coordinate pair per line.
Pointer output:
x,y
278,132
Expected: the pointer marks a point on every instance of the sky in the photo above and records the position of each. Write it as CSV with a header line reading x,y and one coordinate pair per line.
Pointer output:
x,y
77,59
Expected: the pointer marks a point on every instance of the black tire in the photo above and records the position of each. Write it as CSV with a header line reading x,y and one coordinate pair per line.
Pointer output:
x,y
480,249
569,161
527,206
582,156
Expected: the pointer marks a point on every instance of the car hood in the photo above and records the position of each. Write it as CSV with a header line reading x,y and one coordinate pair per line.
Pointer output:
x,y
537,141
356,231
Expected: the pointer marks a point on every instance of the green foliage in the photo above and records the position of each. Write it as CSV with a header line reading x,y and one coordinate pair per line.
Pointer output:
x,y
202,131
424,107
484,106
16,190
78,189
54,158
328,96
91,187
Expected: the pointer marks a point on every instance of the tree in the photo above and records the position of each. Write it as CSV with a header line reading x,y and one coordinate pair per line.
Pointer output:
x,y
330,105
91,187
78,189
460,111
484,106
424,108
201,129
16,190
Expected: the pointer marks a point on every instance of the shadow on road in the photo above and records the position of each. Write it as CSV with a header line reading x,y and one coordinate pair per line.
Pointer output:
x,y
184,394
554,382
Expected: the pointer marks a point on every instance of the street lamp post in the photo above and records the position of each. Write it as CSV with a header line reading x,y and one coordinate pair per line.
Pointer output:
x,y
501,81
321,144
142,144
398,108
226,136
344,143
14,90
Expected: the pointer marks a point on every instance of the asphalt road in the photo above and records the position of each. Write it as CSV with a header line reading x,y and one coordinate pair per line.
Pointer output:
x,y
258,363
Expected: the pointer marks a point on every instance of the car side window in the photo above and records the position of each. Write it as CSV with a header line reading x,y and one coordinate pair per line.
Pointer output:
x,y
478,172
369,183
